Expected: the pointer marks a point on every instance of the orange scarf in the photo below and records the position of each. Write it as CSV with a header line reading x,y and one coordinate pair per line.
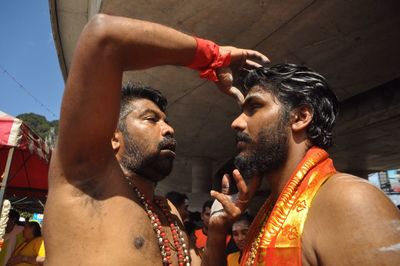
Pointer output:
x,y
276,239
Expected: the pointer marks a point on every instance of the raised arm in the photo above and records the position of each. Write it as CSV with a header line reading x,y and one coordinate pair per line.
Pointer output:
x,y
107,46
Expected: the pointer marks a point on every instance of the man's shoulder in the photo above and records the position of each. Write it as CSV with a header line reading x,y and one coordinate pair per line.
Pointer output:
x,y
353,217
347,194
352,189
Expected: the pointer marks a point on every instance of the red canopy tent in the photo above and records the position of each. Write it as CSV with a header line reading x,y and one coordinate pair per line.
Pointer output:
x,y
24,159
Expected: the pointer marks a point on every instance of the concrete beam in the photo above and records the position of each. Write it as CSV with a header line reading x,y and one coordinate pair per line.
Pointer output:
x,y
367,130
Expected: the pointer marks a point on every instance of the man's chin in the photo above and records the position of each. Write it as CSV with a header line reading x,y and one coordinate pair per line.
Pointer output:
x,y
246,166
164,167
165,172
155,175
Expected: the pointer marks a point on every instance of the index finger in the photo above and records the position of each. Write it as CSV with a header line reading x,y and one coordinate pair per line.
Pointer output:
x,y
241,185
237,94
246,191
255,55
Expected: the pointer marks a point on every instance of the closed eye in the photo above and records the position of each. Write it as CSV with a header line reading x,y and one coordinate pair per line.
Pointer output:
x,y
250,109
152,119
251,104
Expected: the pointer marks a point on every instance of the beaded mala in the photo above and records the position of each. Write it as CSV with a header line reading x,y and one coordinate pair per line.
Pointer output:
x,y
163,242
177,235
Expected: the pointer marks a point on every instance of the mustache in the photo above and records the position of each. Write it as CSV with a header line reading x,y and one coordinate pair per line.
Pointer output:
x,y
240,136
168,143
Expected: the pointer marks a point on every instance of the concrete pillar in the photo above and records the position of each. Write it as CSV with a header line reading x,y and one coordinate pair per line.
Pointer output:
x,y
201,175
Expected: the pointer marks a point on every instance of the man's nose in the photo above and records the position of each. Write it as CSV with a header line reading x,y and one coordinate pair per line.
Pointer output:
x,y
167,130
239,124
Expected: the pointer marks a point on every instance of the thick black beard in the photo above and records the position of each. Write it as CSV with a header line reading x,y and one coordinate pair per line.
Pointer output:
x,y
132,158
137,159
265,155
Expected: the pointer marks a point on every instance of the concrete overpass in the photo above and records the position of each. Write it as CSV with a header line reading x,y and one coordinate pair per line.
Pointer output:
x,y
355,44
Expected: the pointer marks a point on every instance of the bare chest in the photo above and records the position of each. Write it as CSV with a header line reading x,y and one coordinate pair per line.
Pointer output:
x,y
116,232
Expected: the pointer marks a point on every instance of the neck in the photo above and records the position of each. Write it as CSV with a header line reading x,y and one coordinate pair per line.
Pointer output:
x,y
279,178
146,186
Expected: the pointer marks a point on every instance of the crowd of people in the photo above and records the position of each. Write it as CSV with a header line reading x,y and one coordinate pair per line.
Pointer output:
x,y
196,226
23,244
102,208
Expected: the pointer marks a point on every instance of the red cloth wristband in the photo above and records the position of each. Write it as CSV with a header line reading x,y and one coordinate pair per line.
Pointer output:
x,y
207,59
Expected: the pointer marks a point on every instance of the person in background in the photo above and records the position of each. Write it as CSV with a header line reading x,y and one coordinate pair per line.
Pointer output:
x,y
201,234
12,238
239,232
181,202
31,251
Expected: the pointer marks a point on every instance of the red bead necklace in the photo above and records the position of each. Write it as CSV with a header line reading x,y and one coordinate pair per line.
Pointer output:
x,y
177,235
163,242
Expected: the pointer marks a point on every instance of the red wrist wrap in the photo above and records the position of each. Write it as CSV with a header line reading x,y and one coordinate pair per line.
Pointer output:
x,y
207,59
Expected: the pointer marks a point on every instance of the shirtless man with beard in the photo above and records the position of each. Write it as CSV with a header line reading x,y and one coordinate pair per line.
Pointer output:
x,y
101,208
315,215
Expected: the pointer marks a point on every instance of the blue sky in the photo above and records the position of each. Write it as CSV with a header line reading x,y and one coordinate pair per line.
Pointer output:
x,y
28,53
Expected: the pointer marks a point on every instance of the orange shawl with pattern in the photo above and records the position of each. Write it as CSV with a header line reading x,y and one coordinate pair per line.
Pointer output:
x,y
275,239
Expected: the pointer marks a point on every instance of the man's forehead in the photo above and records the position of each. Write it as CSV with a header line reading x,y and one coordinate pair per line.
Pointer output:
x,y
257,91
142,105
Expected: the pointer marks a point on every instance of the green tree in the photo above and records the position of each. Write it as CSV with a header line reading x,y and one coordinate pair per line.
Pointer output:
x,y
47,130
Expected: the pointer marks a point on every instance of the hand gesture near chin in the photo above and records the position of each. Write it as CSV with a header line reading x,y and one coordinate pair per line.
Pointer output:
x,y
227,208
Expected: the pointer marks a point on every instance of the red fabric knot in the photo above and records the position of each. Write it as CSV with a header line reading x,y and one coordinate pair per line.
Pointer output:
x,y
208,58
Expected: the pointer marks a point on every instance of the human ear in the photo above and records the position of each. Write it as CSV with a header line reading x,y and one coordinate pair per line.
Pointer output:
x,y
301,118
116,140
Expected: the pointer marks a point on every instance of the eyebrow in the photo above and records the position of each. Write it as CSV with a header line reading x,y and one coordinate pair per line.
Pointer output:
x,y
149,111
249,100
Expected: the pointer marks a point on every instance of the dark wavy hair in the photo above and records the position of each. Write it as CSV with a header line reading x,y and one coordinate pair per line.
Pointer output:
x,y
245,217
132,91
177,198
295,86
